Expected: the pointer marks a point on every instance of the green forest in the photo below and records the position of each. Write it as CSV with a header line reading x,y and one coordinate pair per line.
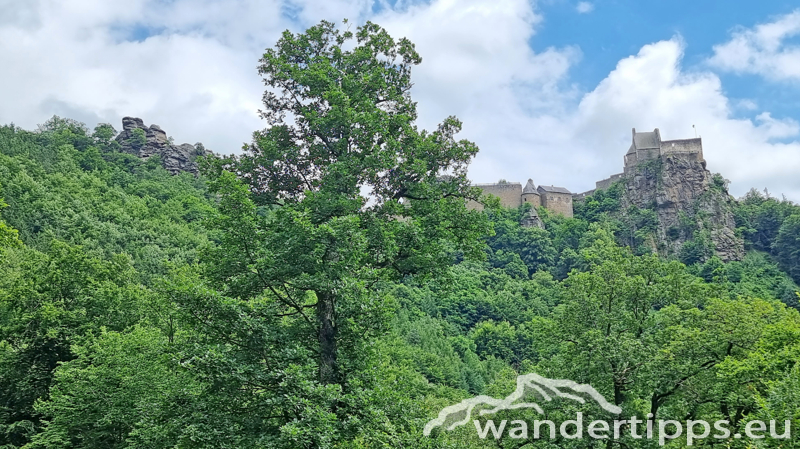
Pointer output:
x,y
328,287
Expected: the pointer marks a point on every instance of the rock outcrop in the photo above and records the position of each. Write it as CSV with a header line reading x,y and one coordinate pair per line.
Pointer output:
x,y
532,220
689,204
143,141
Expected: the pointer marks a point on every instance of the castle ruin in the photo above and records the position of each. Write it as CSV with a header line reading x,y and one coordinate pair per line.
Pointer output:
x,y
512,194
648,146
668,177
645,146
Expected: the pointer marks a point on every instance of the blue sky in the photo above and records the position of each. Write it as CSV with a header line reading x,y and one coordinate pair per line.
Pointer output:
x,y
615,29
548,89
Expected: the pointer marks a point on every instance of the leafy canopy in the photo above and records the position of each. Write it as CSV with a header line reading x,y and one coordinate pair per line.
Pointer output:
x,y
342,189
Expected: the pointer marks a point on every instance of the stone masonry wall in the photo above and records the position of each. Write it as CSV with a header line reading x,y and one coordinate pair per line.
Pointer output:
x,y
683,146
510,194
532,198
606,183
560,203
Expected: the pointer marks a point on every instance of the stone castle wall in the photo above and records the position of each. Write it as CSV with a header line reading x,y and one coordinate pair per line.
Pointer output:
x,y
560,203
645,148
606,183
688,149
682,146
510,194
534,198
648,154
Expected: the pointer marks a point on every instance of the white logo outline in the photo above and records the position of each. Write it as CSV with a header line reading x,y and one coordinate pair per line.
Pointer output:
x,y
547,388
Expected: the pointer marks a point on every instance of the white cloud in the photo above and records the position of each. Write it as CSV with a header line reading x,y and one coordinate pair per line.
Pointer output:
x,y
530,122
763,50
473,60
477,65
70,58
196,78
651,90
584,7
747,105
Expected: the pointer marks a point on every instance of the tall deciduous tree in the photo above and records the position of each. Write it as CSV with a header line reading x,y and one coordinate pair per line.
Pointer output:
x,y
342,188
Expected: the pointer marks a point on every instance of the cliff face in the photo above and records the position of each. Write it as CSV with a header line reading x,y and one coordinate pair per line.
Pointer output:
x,y
690,205
174,158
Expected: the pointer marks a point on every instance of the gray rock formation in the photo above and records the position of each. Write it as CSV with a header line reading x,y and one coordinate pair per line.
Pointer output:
x,y
143,141
532,220
686,201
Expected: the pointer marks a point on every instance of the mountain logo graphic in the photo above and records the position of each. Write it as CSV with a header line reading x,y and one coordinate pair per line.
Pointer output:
x,y
546,388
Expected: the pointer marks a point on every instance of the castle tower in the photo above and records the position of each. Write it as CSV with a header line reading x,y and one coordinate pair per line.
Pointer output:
x,y
556,199
645,146
531,195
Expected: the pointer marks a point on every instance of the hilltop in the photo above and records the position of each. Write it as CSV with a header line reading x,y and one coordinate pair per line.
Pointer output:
x,y
668,200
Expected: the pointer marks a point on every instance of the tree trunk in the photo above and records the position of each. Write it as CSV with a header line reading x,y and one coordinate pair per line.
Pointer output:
x,y
326,319
619,395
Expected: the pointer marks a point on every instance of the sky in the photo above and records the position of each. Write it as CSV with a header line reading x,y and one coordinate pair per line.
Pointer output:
x,y
548,89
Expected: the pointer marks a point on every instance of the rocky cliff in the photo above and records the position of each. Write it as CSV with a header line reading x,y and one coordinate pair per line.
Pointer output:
x,y
144,141
693,208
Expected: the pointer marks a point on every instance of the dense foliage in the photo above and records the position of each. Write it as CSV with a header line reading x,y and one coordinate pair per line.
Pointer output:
x,y
329,289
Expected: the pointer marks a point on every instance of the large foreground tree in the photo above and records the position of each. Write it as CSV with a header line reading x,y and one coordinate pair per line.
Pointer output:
x,y
341,190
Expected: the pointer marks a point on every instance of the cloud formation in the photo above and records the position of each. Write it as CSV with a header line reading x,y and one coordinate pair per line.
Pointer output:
x,y
763,50
584,7
651,89
189,66
530,122
82,59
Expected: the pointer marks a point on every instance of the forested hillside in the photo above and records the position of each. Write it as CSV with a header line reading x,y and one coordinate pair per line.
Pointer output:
x,y
270,302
